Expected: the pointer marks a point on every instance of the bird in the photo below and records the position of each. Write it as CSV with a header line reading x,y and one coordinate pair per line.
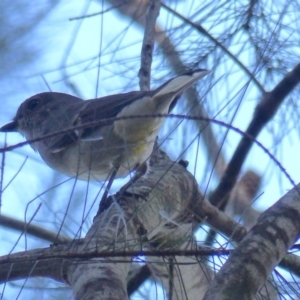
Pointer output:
x,y
91,150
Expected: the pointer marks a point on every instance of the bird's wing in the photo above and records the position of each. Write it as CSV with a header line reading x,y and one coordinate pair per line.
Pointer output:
x,y
98,110
105,108
93,111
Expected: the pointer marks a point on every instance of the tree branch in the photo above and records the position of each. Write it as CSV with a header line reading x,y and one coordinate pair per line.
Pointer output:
x,y
148,45
264,112
34,230
260,251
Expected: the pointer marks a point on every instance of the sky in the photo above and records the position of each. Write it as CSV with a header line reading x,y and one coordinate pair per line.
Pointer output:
x,y
67,61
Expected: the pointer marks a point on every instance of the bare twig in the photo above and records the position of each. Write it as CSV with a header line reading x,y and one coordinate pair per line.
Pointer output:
x,y
148,45
34,230
2,174
250,10
199,28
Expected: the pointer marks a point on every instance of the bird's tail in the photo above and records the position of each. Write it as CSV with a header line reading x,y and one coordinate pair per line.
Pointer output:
x,y
156,102
180,83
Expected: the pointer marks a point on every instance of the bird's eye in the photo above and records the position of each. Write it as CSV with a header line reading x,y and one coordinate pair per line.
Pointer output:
x,y
33,104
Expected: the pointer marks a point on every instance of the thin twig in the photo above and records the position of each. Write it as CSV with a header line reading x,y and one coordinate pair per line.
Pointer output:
x,y
98,13
61,251
32,229
199,28
171,277
2,174
245,135
148,45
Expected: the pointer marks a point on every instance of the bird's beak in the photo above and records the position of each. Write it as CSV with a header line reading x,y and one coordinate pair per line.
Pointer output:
x,y
10,127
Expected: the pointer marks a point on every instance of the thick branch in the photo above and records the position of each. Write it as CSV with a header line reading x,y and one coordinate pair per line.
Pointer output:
x,y
264,112
155,212
151,211
260,251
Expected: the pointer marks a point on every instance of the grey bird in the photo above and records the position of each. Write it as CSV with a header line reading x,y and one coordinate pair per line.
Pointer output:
x,y
93,151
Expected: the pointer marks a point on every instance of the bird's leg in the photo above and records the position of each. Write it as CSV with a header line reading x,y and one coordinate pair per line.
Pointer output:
x,y
141,170
111,179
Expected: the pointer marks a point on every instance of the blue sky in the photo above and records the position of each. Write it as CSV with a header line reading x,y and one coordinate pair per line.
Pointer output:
x,y
119,46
